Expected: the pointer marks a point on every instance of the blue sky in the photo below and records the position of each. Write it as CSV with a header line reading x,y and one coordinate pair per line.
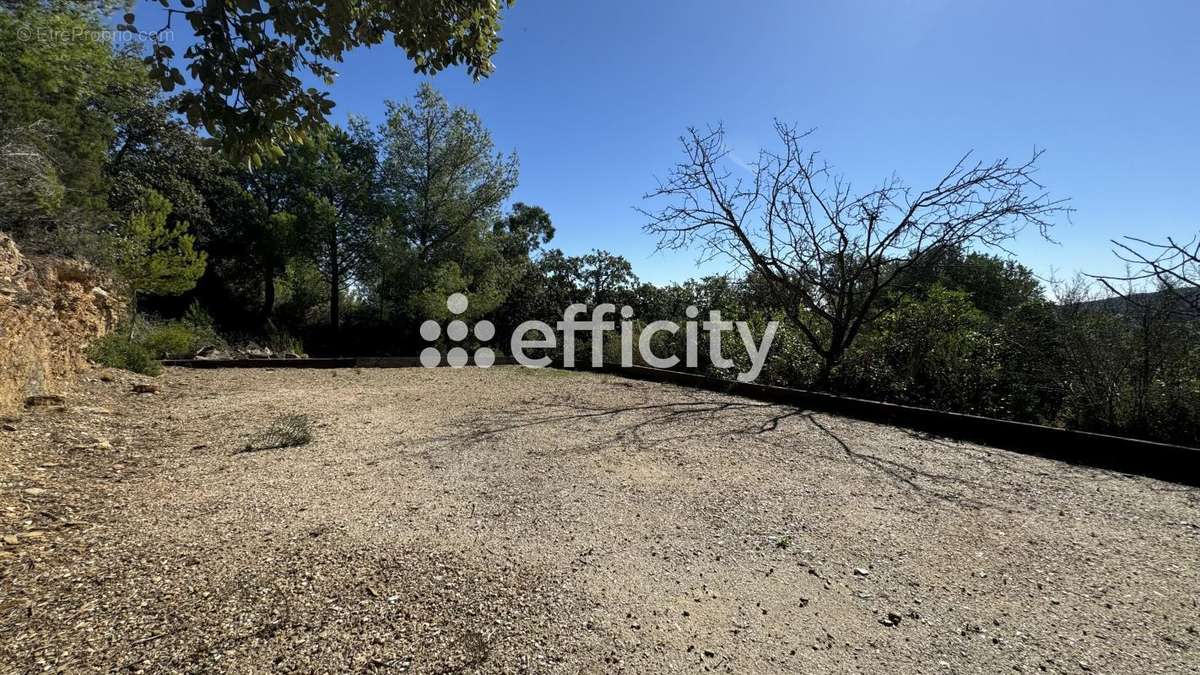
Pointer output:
x,y
593,97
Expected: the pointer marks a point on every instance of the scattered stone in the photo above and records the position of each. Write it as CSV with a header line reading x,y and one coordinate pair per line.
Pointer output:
x,y
255,352
209,352
7,427
93,410
859,571
35,491
44,400
892,619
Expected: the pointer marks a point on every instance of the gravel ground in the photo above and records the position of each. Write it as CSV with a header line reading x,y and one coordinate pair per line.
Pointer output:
x,y
517,520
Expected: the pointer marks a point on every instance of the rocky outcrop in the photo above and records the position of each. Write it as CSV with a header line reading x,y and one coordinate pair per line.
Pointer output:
x,y
50,309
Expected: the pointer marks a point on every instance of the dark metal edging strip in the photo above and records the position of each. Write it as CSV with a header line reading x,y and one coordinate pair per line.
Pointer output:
x,y
332,362
1175,463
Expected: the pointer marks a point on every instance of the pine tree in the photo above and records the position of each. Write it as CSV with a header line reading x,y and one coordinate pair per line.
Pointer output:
x,y
154,256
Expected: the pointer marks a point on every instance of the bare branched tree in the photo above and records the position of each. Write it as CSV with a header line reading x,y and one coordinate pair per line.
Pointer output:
x,y
831,257
1172,267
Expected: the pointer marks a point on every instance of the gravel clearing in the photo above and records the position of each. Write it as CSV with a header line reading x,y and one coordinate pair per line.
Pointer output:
x,y
508,520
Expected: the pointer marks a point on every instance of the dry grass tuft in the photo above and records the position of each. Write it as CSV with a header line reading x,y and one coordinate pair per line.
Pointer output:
x,y
287,431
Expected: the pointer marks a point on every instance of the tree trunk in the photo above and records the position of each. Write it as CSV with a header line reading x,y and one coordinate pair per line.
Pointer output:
x,y
832,358
825,374
335,284
133,312
335,309
268,279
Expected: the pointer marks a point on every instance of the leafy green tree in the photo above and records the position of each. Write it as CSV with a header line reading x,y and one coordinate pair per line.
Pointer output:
x,y
60,89
523,231
153,150
543,291
605,277
232,236
935,350
444,184
443,177
275,245
337,214
273,236
491,266
249,55
995,285
155,257
1029,342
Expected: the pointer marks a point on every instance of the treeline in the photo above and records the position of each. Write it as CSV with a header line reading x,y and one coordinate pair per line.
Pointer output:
x,y
340,242
344,243
970,332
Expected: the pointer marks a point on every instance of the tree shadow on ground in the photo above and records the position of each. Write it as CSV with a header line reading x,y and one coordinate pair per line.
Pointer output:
x,y
652,426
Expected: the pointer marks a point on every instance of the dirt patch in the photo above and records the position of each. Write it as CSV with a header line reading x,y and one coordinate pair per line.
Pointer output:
x,y
506,519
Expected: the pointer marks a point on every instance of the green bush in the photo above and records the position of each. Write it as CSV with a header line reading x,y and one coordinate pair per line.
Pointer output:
x,y
198,318
116,350
937,350
139,349
178,339
170,340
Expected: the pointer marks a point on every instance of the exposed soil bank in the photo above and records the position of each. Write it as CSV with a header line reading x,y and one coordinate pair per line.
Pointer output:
x,y
50,309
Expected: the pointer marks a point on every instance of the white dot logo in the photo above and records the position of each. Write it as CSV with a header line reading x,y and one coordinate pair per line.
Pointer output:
x,y
457,331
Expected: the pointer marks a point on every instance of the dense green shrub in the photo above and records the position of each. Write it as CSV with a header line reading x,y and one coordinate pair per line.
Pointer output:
x,y
1029,380
140,347
116,350
177,339
938,350
169,341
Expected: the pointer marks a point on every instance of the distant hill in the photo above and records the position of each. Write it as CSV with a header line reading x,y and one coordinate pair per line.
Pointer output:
x,y
1129,304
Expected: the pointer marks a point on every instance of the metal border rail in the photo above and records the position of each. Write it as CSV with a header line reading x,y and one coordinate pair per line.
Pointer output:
x,y
1175,463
